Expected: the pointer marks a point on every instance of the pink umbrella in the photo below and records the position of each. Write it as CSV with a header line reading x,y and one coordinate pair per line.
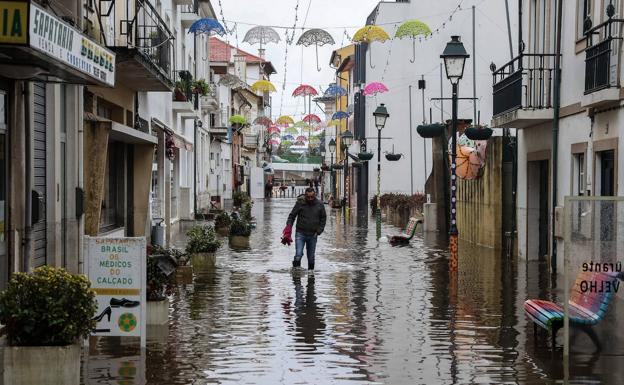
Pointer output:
x,y
273,142
301,138
304,90
312,119
374,88
273,130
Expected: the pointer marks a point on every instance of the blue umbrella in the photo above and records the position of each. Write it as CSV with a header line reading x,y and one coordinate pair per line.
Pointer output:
x,y
335,90
340,115
207,25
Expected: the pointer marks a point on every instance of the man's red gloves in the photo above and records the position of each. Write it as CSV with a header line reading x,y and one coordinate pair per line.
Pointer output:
x,y
287,235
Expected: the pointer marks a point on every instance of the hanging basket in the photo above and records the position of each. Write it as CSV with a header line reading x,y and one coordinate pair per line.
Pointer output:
x,y
365,156
478,133
393,157
430,130
325,167
336,167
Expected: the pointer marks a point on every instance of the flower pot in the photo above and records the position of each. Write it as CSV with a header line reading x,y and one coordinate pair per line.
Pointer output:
x,y
476,133
27,365
203,261
430,130
365,156
183,275
158,312
393,157
224,231
239,241
179,96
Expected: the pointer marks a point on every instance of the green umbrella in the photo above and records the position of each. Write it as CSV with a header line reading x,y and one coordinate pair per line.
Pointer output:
x,y
292,130
413,29
238,119
303,125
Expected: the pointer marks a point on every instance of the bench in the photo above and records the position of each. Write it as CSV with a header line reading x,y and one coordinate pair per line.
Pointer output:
x,y
407,235
587,307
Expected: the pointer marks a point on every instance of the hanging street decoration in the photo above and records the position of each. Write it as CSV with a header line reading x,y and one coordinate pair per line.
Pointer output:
x,y
207,26
374,88
263,121
301,124
340,115
285,120
288,137
369,34
311,119
292,130
273,130
262,36
230,80
263,86
335,90
413,29
316,37
304,90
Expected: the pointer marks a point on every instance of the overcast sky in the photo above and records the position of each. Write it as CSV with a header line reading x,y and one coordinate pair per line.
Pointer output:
x,y
331,15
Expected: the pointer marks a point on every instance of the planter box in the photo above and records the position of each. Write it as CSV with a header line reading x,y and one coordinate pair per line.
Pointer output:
x,y
224,231
203,261
183,275
158,312
238,241
49,365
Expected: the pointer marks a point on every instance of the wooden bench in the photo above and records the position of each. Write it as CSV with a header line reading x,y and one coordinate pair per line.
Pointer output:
x,y
587,307
407,235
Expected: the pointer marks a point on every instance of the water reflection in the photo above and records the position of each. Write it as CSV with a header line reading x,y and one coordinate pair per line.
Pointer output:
x,y
371,313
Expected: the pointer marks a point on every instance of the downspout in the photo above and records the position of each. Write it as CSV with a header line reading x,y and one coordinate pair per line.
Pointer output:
x,y
27,243
555,132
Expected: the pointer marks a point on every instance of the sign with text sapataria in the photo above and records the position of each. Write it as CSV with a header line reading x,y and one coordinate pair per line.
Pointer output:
x,y
117,271
54,37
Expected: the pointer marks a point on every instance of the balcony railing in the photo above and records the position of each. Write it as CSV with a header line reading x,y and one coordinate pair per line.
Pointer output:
x,y
192,8
600,70
524,83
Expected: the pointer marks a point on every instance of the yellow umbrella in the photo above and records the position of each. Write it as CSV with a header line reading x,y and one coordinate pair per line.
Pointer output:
x,y
284,120
369,34
333,122
263,86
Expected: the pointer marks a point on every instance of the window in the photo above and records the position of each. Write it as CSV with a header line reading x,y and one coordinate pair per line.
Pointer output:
x,y
113,204
578,174
583,12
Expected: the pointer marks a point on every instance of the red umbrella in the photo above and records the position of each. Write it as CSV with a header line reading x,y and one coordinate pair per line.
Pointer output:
x,y
310,119
274,130
304,90
301,138
263,121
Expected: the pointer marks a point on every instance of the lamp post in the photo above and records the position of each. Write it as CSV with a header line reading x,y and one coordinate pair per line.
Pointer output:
x,y
323,153
347,140
381,115
332,150
454,57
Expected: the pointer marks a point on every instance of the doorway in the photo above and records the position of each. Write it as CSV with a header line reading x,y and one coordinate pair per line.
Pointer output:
x,y
538,186
605,167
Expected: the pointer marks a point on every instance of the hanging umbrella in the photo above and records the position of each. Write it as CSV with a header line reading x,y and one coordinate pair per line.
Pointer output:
x,y
230,80
319,127
263,121
299,143
261,35
275,135
412,29
318,37
301,138
292,130
333,122
285,120
273,142
208,26
288,137
335,90
302,125
340,115
238,119
263,86
369,34
374,88
273,129
304,90
311,118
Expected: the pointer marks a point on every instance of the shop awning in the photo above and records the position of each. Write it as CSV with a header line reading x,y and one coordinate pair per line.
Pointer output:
x,y
42,47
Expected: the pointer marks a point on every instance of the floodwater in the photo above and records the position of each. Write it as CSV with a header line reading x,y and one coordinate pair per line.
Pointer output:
x,y
370,314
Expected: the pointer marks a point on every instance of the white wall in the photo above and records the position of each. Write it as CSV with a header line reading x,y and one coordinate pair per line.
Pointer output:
x,y
399,74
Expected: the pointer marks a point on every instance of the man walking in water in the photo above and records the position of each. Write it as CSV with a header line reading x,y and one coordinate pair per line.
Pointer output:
x,y
311,218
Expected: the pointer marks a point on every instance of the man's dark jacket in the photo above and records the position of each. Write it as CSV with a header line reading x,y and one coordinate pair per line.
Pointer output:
x,y
311,216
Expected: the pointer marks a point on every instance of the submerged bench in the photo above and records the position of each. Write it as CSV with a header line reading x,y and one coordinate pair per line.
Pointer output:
x,y
589,300
407,235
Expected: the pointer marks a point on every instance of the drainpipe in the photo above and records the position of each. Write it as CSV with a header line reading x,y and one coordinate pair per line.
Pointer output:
x,y
555,132
195,166
27,242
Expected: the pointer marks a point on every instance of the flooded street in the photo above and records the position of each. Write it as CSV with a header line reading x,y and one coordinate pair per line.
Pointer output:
x,y
370,314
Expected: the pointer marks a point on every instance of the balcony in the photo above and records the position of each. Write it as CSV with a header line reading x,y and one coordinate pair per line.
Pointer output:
x,y
210,102
602,65
145,49
523,91
182,2
189,14
250,141
184,100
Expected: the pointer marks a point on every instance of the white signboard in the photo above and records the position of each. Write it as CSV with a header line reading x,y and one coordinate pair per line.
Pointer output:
x,y
52,36
117,271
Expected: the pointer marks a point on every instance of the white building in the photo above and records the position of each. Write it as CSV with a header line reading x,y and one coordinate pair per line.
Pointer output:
x,y
591,117
389,63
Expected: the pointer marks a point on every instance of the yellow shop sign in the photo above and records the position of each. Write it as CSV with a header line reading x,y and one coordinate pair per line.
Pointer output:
x,y
13,22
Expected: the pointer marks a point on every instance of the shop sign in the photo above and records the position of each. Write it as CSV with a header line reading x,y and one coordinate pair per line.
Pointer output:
x,y
14,22
57,39
117,271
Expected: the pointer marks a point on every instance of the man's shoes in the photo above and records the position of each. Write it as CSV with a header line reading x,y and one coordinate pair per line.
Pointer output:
x,y
114,302
310,266
296,263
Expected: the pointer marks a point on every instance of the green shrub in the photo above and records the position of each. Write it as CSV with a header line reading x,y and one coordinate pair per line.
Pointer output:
x,y
202,239
157,281
240,227
223,220
49,307
239,198
246,212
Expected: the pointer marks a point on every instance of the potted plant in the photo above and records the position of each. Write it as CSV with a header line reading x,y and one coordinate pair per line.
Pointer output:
x,y
183,270
179,94
46,314
240,231
158,285
200,87
222,223
202,245
365,156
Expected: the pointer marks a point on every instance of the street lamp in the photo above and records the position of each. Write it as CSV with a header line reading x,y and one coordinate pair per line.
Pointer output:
x,y
454,57
332,150
323,152
347,140
381,115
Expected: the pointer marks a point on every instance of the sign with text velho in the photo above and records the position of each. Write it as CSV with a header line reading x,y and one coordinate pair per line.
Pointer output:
x,y
117,271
